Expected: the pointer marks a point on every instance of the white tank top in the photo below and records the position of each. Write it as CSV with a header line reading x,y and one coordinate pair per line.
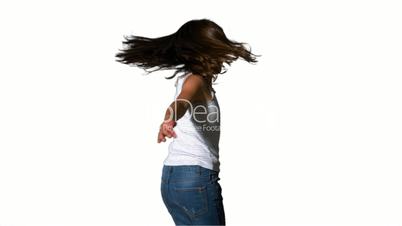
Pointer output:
x,y
197,141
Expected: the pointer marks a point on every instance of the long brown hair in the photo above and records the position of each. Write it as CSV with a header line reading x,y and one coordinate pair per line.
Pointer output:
x,y
198,46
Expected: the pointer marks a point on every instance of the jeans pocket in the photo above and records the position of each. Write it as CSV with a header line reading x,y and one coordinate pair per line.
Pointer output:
x,y
193,200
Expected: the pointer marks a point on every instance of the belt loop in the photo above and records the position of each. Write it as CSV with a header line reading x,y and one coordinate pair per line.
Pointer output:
x,y
213,175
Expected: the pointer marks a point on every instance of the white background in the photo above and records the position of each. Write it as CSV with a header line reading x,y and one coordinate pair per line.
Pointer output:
x,y
311,134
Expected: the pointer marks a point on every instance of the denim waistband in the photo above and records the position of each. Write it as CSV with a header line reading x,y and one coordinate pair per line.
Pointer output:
x,y
184,172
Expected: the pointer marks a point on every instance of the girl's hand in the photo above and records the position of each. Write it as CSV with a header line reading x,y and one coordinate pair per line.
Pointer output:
x,y
166,130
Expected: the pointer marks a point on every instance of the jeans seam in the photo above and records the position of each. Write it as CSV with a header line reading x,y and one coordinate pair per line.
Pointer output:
x,y
200,212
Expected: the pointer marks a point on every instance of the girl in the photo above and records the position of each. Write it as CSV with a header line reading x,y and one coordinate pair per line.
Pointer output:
x,y
190,174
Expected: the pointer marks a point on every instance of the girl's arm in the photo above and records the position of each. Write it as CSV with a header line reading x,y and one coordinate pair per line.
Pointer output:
x,y
191,90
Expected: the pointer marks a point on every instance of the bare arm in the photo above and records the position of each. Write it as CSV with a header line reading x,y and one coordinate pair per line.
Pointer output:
x,y
192,87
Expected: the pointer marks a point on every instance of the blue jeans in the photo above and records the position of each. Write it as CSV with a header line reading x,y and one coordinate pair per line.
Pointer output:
x,y
192,195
